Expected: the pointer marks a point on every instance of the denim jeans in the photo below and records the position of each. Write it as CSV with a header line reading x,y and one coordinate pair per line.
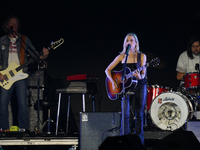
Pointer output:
x,y
5,95
139,99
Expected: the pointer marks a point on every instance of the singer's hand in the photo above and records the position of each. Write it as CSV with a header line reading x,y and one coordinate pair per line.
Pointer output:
x,y
114,86
137,74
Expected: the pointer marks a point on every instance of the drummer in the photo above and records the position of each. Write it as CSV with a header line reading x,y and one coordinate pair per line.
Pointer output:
x,y
189,61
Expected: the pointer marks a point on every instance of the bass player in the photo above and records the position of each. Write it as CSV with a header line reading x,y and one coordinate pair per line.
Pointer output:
x,y
12,49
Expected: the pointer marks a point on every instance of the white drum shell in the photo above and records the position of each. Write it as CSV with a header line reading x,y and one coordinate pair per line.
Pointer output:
x,y
174,102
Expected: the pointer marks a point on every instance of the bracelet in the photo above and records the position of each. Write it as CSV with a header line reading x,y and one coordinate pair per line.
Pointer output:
x,y
141,76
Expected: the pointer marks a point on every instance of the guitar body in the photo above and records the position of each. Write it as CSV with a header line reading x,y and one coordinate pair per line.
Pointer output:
x,y
12,76
117,75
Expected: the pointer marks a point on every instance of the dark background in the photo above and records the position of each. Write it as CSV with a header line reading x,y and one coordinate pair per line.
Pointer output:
x,y
94,32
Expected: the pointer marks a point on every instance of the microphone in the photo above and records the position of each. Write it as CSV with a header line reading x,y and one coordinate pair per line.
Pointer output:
x,y
128,48
197,66
11,29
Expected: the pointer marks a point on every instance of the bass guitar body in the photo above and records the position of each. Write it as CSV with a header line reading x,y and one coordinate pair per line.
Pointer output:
x,y
12,76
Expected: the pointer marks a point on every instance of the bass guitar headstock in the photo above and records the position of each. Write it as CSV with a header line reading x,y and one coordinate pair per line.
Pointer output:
x,y
56,44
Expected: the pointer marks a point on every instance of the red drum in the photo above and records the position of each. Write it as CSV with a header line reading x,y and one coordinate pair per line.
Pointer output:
x,y
192,80
153,91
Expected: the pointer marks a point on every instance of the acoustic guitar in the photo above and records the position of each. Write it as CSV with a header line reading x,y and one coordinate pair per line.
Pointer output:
x,y
129,79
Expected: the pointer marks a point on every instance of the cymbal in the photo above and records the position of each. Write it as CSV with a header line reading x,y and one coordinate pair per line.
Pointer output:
x,y
151,56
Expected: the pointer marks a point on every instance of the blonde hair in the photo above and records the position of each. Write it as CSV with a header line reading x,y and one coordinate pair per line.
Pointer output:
x,y
136,40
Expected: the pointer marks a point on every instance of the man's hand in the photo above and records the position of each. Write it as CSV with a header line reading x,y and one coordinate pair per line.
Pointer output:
x,y
45,53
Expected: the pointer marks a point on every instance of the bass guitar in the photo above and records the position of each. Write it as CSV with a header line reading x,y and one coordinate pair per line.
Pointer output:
x,y
129,79
14,71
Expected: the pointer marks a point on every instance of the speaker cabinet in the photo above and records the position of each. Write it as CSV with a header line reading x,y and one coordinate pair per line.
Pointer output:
x,y
179,140
36,76
95,127
194,127
129,142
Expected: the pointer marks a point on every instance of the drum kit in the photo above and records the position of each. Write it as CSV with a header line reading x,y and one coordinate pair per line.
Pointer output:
x,y
170,110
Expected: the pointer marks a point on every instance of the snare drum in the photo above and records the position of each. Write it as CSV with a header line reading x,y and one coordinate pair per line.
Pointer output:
x,y
153,91
192,80
170,110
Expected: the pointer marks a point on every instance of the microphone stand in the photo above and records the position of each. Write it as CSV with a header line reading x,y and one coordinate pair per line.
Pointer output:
x,y
35,56
38,97
123,91
38,60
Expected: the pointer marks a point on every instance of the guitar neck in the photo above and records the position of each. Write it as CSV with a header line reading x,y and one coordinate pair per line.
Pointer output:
x,y
139,69
31,60
53,46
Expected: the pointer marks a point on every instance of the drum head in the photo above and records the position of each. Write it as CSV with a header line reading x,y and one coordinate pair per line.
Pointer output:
x,y
170,110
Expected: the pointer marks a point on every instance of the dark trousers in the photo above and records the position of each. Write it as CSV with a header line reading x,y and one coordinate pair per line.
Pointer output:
x,y
5,95
139,100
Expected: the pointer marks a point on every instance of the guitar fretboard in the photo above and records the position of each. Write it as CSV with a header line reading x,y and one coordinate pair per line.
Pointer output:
x,y
139,69
31,60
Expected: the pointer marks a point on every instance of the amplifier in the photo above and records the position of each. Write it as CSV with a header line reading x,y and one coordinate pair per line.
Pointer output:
x,y
194,127
96,126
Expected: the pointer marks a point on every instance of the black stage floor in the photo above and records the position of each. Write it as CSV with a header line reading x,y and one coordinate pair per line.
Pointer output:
x,y
32,141
24,141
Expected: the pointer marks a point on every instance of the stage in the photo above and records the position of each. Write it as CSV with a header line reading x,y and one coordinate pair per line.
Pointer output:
x,y
21,141
24,141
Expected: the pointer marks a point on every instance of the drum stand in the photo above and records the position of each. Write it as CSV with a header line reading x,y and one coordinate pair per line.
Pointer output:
x,y
195,102
193,98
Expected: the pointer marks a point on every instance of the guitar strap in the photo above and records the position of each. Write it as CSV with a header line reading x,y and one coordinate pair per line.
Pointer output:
x,y
22,50
138,60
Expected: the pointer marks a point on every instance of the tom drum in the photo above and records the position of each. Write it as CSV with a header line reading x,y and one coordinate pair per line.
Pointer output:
x,y
153,91
192,81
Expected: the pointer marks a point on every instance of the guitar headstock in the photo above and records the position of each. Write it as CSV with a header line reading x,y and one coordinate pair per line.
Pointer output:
x,y
55,44
154,62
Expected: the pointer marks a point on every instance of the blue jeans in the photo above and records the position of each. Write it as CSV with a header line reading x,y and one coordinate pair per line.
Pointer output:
x,y
5,95
139,99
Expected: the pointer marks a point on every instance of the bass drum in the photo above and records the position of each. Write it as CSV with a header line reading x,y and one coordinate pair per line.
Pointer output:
x,y
170,110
